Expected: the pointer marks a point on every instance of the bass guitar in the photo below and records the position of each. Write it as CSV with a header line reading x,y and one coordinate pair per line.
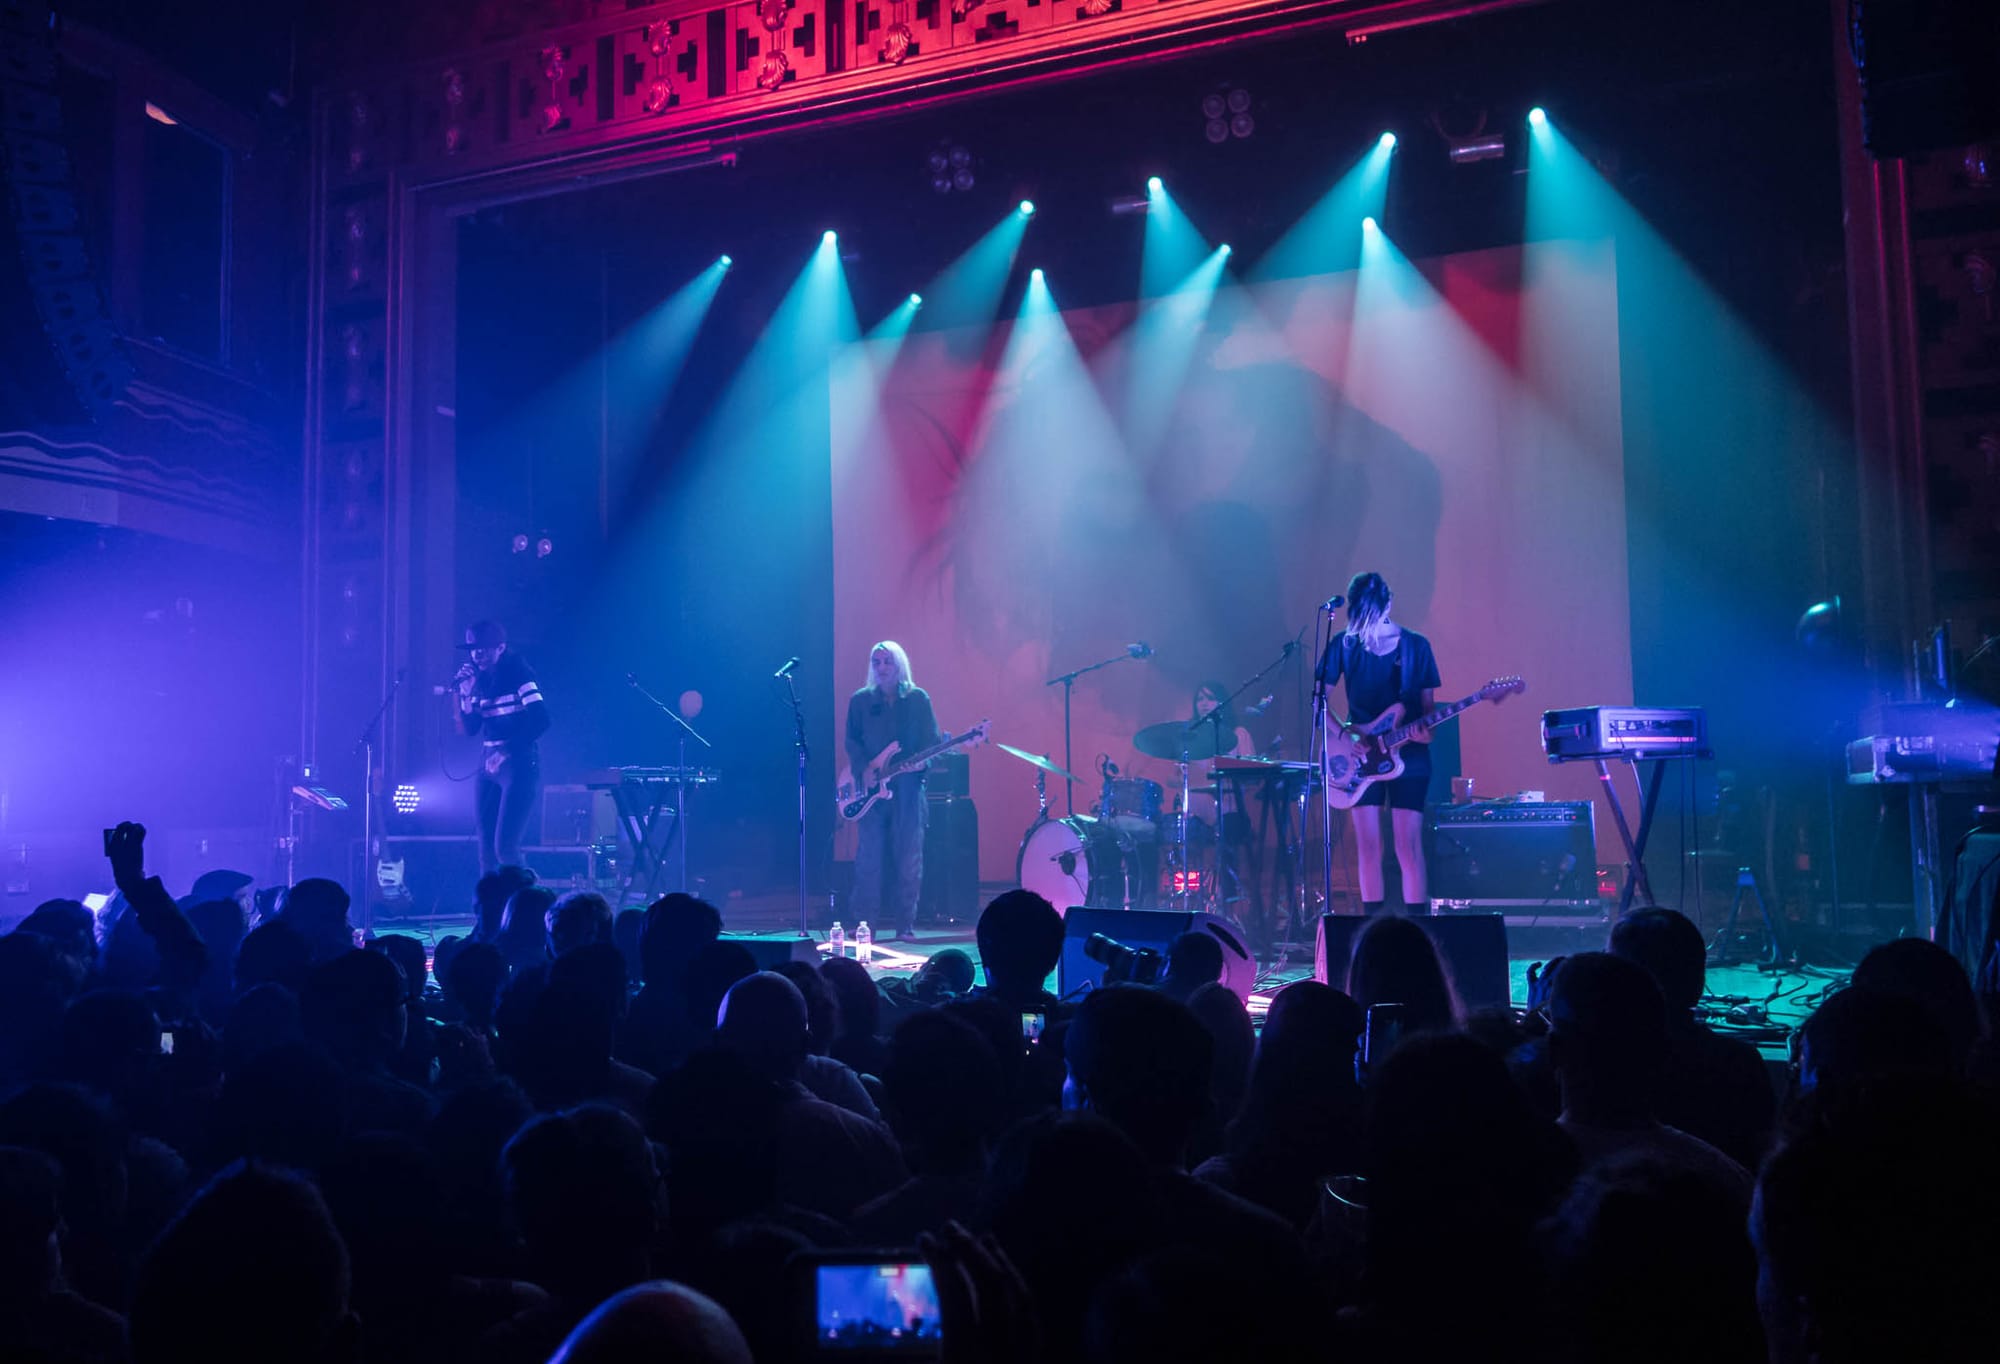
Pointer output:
x,y
857,798
1358,758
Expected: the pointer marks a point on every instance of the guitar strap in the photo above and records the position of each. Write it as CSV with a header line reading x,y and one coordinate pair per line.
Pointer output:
x,y
1406,661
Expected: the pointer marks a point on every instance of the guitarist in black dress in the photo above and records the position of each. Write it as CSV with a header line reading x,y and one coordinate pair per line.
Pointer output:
x,y
1382,664
889,716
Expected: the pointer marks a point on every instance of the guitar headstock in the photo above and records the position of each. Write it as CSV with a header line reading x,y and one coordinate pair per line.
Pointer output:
x,y
1500,688
979,733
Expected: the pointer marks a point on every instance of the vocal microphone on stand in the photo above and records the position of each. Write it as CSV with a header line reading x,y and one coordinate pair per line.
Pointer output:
x,y
786,671
1333,603
1139,650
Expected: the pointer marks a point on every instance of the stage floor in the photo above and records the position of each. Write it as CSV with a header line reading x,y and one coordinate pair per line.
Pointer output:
x,y
1770,1003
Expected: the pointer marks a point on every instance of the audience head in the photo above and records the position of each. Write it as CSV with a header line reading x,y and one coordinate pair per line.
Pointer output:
x,y
822,1009
1193,960
35,980
1861,1034
1187,1303
383,1195
273,953
493,892
1020,940
1651,1261
408,954
1920,970
355,1006
473,982
317,908
262,1018
855,995
1607,1033
111,1042
763,1021
1873,1225
69,928
946,975
652,1321
941,1092
1144,1062
587,1198
1669,947
282,1105
252,1269
1303,1106
1235,1037
677,928
1395,962
524,938
576,920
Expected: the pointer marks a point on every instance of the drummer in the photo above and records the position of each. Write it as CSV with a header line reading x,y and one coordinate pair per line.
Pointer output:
x,y
1232,738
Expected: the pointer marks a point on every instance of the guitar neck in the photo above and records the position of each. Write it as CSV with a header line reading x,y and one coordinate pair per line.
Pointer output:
x,y
924,755
1400,735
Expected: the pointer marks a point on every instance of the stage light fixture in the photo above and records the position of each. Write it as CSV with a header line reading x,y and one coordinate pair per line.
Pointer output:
x,y
1387,142
544,547
725,262
916,300
1224,248
827,237
406,799
1368,222
1027,208
519,544
1036,274
1154,184
1537,116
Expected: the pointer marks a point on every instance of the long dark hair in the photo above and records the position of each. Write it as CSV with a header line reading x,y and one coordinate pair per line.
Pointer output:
x,y
1395,962
1220,692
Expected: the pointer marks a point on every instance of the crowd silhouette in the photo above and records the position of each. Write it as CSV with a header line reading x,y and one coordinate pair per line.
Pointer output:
x,y
231,1128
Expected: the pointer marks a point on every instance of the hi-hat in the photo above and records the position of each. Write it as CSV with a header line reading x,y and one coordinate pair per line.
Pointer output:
x,y
1036,760
1174,741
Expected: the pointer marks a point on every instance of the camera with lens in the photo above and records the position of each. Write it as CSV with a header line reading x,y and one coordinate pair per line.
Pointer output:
x,y
1138,965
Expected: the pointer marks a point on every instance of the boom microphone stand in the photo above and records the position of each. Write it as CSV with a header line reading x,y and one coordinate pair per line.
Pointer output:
x,y
1068,680
365,745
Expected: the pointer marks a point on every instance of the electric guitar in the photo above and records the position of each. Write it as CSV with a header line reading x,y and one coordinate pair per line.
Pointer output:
x,y
857,798
1357,759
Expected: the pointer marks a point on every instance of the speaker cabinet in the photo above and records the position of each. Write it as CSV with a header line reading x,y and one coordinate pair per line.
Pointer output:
x,y
951,862
1473,948
1542,856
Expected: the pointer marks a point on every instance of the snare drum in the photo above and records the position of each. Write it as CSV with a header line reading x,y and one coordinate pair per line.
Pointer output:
x,y
1076,861
1132,804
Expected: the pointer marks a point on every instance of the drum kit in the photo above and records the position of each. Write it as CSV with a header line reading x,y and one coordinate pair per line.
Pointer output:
x,y
1131,851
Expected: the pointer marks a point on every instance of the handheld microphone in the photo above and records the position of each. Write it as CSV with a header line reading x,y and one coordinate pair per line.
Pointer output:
x,y
465,670
1139,650
1333,603
786,671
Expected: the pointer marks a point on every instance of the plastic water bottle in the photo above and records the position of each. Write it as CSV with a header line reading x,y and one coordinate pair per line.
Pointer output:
x,y
836,940
864,943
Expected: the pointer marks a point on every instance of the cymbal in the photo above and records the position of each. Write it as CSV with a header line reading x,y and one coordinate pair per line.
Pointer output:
x,y
1172,740
1036,760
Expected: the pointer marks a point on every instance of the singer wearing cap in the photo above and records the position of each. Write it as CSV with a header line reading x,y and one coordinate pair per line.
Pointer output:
x,y
1381,664
889,861
499,701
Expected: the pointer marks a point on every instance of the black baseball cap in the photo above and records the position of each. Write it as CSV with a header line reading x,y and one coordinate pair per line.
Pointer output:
x,y
484,634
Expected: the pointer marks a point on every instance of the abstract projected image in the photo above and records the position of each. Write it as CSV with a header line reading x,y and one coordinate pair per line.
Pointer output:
x,y
1200,472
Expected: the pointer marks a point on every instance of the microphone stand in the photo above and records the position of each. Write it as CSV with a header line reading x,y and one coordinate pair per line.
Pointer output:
x,y
680,771
366,747
1068,681
804,756
1318,754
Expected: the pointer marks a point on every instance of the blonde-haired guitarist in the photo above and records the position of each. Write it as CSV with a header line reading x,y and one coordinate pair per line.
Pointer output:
x,y
889,716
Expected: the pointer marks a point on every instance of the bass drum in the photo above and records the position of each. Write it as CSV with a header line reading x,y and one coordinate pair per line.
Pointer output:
x,y
1075,861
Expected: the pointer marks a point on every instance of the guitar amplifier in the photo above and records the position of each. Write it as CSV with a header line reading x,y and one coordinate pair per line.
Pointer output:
x,y
950,890
950,774
1541,854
